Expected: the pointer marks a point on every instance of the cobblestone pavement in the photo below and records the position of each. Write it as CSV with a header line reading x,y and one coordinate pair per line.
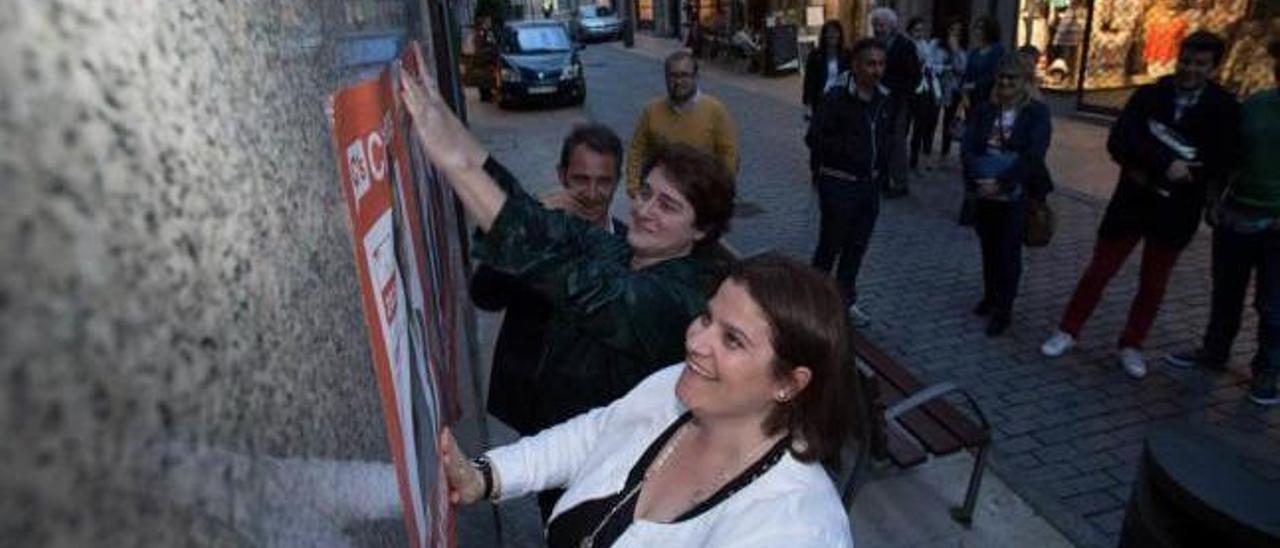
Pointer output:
x,y
1068,431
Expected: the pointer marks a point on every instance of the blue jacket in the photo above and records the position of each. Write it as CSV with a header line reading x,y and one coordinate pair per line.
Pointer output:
x,y
1032,132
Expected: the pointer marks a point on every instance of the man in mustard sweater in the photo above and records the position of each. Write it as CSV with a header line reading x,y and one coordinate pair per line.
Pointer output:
x,y
686,115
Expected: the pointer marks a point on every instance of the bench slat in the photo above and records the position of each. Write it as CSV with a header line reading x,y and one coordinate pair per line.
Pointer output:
x,y
888,369
936,439
902,452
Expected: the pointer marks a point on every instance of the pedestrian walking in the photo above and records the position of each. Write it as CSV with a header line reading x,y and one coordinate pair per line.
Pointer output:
x,y
1006,140
1171,145
1246,240
901,77
954,62
685,115
849,134
821,68
927,99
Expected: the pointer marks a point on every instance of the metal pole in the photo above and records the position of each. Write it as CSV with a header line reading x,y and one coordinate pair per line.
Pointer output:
x,y
629,24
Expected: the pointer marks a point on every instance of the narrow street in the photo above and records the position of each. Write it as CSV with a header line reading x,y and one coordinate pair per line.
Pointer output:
x,y
1068,431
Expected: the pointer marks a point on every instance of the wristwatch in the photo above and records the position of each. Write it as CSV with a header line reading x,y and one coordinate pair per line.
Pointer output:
x,y
485,468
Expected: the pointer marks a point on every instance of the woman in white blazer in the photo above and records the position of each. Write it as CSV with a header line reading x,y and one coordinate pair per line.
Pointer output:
x,y
722,450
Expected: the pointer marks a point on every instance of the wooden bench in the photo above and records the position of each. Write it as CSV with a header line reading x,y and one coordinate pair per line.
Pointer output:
x,y
912,421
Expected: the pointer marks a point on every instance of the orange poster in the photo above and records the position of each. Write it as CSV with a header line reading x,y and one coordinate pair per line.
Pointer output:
x,y
360,115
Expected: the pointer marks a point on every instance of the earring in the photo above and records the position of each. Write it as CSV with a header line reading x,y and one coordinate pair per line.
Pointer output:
x,y
783,396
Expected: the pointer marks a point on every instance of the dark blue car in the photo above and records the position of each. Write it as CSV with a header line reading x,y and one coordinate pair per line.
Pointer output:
x,y
537,61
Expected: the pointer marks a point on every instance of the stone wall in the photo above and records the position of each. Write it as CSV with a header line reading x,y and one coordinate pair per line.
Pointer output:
x,y
177,275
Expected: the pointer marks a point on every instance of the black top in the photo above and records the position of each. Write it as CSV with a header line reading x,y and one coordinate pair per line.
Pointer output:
x,y
815,74
520,343
568,529
1145,202
849,134
902,68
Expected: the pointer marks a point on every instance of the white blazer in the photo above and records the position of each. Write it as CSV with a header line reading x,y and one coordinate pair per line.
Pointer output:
x,y
793,504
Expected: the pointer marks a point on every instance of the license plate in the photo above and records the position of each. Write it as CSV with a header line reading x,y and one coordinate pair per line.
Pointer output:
x,y
539,90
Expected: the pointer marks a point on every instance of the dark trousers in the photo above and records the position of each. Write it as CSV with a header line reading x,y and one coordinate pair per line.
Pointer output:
x,y
1235,257
948,123
1109,255
897,153
999,226
848,216
924,123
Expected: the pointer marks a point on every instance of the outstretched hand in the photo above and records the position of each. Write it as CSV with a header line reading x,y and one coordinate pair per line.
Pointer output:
x,y
465,483
448,143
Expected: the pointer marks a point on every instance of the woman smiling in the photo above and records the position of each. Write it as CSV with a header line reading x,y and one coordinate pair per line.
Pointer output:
x,y
722,450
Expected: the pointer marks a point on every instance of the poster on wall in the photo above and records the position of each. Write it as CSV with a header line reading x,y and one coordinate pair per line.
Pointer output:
x,y
386,235
441,282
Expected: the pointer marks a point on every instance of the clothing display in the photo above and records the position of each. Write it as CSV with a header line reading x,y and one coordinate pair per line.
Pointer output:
x,y
1128,43
1163,31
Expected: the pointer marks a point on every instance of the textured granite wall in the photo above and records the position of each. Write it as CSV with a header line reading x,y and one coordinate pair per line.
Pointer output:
x,y
177,276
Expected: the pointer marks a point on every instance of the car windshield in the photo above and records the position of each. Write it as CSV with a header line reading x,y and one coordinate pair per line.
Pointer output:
x,y
540,39
589,12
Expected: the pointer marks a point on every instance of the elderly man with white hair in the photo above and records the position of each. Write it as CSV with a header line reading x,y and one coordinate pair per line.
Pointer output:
x,y
902,74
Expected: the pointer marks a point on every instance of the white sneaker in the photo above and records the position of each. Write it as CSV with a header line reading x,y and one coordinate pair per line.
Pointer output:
x,y
1058,344
859,318
1132,362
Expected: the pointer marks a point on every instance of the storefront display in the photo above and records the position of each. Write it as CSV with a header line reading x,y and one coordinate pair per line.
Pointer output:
x,y
1104,47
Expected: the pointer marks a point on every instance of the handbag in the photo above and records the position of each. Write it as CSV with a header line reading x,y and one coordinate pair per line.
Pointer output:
x,y
1039,224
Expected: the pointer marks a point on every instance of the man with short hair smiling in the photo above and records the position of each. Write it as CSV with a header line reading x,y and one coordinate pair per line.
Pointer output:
x,y
685,115
1174,139
589,168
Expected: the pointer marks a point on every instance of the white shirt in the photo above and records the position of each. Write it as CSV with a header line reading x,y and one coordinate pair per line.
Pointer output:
x,y
794,504
833,71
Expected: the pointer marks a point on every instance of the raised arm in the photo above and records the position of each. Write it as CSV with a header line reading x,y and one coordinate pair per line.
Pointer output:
x,y
451,147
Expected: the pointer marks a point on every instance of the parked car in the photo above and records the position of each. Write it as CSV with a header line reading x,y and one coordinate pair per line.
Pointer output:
x,y
536,60
596,23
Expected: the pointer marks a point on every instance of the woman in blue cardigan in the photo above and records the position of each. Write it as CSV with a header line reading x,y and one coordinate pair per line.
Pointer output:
x,y
1006,139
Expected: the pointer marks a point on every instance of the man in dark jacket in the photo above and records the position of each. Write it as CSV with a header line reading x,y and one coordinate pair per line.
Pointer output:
x,y
902,73
1173,139
589,170
848,134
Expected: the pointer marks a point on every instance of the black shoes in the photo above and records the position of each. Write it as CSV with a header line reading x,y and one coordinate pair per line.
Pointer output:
x,y
982,308
1262,388
997,325
1196,358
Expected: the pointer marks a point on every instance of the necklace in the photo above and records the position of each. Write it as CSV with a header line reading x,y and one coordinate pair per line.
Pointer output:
x,y
727,472
658,464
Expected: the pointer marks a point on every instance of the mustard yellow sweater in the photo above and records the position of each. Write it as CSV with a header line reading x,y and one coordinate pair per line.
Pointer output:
x,y
705,125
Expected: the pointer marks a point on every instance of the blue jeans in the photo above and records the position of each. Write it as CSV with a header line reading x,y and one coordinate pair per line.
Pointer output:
x,y
848,215
1235,257
1000,226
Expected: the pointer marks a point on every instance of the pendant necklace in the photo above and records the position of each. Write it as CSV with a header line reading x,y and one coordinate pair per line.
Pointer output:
x,y
590,540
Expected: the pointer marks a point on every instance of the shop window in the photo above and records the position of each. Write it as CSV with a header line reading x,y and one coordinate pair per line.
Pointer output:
x,y
1127,43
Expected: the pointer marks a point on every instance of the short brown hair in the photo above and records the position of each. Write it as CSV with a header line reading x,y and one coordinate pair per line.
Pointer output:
x,y
703,180
808,327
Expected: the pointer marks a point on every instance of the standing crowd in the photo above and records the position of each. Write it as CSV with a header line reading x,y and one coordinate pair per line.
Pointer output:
x,y
1188,151
670,397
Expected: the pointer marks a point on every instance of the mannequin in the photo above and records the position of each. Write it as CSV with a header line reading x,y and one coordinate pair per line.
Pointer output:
x,y
1165,27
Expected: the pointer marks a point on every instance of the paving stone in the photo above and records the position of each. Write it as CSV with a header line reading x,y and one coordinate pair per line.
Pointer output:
x,y
1092,482
1092,503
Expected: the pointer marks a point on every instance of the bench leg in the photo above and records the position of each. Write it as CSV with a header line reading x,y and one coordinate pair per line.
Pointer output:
x,y
964,514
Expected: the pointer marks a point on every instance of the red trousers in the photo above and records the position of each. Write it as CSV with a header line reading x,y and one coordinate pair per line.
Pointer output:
x,y
1109,255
